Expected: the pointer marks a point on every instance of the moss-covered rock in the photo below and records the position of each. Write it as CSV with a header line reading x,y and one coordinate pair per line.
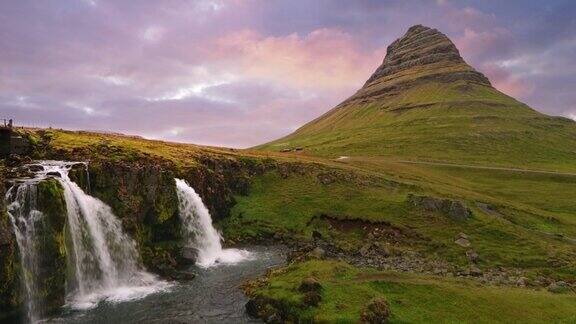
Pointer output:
x,y
52,256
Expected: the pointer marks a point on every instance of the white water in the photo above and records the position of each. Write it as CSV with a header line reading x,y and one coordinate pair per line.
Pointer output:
x,y
104,259
26,221
199,232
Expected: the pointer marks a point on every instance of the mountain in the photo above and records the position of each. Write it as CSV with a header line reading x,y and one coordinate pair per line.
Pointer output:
x,y
426,103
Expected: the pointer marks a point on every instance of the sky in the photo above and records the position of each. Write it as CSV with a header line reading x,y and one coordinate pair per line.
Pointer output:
x,y
239,73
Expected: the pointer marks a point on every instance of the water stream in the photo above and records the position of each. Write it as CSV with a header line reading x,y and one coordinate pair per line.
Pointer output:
x,y
214,296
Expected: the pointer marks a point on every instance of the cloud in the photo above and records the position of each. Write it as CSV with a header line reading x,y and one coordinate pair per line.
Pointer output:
x,y
323,59
242,72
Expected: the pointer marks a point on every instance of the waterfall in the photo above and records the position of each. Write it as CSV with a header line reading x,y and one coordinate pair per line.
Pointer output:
x,y
26,221
199,232
104,260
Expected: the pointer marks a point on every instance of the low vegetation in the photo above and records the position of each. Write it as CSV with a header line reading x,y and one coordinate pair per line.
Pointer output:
x,y
347,292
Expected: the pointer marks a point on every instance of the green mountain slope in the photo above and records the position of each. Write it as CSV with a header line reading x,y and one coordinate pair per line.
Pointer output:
x,y
425,103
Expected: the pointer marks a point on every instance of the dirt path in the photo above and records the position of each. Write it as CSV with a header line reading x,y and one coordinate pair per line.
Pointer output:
x,y
487,167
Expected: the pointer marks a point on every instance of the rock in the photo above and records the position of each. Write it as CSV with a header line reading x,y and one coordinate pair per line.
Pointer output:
x,y
14,160
377,311
35,168
456,210
262,308
326,178
365,249
316,235
310,284
311,299
317,253
522,282
462,235
559,287
475,271
184,275
472,256
54,174
463,242
189,254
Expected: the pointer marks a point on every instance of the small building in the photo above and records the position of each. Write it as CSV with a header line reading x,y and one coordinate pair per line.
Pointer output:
x,y
10,141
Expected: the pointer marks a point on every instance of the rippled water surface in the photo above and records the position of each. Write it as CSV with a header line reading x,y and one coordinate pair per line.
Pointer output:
x,y
213,296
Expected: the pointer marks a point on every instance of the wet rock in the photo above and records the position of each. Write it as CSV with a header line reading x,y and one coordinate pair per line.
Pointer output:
x,y
54,174
377,311
184,275
263,308
35,168
189,254
310,284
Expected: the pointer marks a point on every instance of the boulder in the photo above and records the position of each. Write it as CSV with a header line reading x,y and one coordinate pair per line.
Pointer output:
x,y
317,253
472,256
54,174
454,209
310,284
463,242
377,311
475,271
311,299
559,287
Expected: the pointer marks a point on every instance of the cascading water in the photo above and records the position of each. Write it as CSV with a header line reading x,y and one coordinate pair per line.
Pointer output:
x,y
103,258
26,221
199,232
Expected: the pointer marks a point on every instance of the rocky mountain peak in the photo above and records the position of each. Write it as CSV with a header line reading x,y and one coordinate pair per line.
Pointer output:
x,y
425,52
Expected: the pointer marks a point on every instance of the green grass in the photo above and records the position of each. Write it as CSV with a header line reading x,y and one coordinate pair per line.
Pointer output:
x,y
413,298
477,126
518,238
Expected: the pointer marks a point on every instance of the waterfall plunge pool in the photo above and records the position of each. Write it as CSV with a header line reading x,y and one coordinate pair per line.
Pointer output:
x,y
214,296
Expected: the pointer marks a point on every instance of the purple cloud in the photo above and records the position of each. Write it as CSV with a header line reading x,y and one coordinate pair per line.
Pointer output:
x,y
242,72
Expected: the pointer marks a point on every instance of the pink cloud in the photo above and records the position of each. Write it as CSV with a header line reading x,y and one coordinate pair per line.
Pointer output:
x,y
477,43
323,59
507,82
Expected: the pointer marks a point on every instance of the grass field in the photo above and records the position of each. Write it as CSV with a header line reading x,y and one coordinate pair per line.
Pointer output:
x,y
439,122
346,290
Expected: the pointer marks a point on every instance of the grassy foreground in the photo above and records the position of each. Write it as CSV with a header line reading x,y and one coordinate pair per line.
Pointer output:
x,y
412,298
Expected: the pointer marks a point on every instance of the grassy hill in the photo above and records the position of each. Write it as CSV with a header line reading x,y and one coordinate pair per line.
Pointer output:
x,y
426,103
